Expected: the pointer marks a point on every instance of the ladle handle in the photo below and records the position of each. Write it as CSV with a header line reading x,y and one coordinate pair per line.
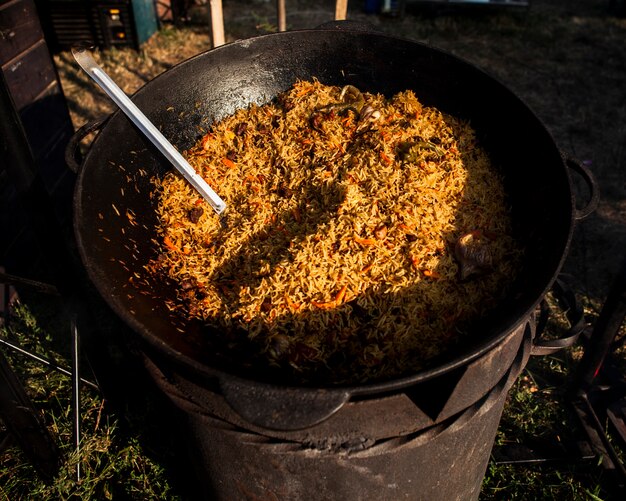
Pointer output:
x,y
88,64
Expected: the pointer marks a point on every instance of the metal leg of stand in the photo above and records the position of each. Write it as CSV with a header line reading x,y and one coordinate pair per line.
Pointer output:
x,y
595,391
44,288
5,297
36,448
45,361
76,392
604,332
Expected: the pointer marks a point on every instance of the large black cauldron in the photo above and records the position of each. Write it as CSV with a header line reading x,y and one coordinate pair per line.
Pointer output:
x,y
114,220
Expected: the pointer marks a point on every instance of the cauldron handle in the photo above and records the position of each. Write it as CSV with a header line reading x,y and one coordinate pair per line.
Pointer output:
x,y
72,148
566,300
281,408
581,169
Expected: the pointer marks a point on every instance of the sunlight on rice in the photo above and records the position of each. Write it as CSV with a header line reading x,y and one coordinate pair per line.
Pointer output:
x,y
339,246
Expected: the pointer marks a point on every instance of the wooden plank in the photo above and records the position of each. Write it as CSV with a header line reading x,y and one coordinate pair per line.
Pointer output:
x,y
281,15
20,28
341,10
45,118
29,75
217,22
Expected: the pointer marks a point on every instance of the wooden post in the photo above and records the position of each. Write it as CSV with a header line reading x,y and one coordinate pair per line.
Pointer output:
x,y
282,15
341,10
217,22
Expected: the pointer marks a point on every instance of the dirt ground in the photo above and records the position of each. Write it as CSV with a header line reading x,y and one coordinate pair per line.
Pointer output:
x,y
565,58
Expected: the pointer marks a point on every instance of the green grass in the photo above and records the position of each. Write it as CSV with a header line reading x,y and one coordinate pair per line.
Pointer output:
x,y
537,414
113,462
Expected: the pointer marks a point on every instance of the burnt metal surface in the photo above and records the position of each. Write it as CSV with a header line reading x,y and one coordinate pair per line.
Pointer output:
x,y
442,459
313,414
114,219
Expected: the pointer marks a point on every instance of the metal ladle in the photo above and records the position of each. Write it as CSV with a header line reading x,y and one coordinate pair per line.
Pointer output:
x,y
88,64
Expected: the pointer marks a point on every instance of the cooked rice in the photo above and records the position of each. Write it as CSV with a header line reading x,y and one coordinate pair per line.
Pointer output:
x,y
337,260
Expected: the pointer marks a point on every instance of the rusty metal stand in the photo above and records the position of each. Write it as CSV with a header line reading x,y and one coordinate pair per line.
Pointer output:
x,y
17,412
598,392
546,451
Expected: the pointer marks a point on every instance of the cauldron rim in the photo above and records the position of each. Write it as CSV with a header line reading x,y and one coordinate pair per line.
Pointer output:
x,y
490,338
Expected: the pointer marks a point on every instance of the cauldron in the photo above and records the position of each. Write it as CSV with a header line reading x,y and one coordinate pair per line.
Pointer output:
x,y
115,220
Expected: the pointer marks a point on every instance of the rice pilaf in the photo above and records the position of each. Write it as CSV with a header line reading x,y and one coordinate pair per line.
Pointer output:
x,y
337,260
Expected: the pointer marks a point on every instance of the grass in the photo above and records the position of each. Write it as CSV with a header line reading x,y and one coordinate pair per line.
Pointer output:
x,y
537,416
113,462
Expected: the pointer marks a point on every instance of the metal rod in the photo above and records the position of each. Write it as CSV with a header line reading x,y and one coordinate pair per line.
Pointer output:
x,y
595,431
604,332
5,293
45,361
35,285
86,61
76,393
